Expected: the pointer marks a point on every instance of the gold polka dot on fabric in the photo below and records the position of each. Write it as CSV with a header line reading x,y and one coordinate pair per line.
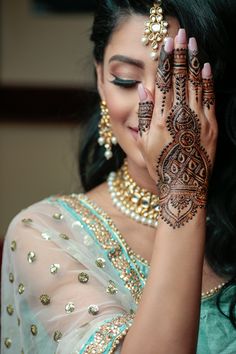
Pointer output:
x,y
57,336
45,299
13,246
64,236
58,216
8,342
54,268
11,277
21,288
93,310
31,257
46,236
83,277
27,221
100,262
10,310
70,307
112,289
34,330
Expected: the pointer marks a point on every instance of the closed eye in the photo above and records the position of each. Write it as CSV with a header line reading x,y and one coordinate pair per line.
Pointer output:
x,y
124,83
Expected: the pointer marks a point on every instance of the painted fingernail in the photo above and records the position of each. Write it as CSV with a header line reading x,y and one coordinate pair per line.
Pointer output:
x,y
206,71
181,36
192,44
142,92
169,44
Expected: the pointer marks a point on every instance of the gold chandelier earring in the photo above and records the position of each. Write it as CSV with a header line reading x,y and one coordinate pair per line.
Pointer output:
x,y
106,137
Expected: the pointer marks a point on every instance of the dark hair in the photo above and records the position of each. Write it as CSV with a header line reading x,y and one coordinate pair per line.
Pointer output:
x,y
212,23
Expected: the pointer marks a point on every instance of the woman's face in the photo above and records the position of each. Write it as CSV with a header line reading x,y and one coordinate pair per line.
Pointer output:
x,y
126,63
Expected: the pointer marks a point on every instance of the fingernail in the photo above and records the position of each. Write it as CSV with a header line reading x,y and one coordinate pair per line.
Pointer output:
x,y
142,92
169,44
181,36
206,71
192,44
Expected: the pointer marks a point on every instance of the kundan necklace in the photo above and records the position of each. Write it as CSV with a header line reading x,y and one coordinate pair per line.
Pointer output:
x,y
132,200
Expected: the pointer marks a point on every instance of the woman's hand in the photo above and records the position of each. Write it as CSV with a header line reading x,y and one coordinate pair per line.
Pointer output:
x,y
178,130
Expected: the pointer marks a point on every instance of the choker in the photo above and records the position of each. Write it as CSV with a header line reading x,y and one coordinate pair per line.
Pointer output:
x,y
132,200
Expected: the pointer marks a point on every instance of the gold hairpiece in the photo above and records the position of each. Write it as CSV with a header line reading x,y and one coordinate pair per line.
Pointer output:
x,y
155,29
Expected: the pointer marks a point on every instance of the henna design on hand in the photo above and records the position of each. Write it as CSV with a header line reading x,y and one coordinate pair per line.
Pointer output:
x,y
180,74
164,75
145,116
208,92
194,71
184,166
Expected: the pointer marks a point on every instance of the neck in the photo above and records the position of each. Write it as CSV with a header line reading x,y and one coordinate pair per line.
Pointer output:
x,y
141,176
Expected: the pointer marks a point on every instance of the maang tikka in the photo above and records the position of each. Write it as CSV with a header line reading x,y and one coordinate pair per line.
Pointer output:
x,y
155,29
106,136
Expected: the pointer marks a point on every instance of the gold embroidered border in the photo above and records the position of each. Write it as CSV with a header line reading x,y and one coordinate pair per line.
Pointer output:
x,y
128,274
110,332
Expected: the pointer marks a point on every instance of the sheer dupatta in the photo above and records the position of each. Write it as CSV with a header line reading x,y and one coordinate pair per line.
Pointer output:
x,y
67,284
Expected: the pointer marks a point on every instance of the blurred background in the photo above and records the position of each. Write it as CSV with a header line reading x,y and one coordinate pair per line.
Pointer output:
x,y
46,87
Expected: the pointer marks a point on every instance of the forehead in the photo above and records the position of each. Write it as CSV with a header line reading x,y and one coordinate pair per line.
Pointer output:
x,y
126,40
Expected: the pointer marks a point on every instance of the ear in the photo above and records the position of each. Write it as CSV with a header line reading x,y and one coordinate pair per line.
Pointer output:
x,y
100,80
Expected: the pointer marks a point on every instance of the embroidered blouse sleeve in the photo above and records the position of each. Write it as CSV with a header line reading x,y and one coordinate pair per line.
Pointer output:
x,y
58,295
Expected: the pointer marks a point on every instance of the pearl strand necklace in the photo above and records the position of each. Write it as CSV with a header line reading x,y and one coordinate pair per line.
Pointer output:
x,y
132,200
214,290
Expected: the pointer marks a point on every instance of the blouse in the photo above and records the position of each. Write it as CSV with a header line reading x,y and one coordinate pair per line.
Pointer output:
x,y
71,284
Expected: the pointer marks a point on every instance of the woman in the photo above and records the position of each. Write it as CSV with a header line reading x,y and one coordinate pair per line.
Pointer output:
x,y
136,264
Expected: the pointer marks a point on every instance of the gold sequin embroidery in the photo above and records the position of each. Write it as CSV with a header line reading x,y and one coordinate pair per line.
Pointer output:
x,y
132,277
112,289
21,288
27,221
100,262
64,237
57,336
11,277
110,332
58,216
54,268
83,277
31,257
45,299
7,342
70,307
13,246
34,330
93,310
10,310
46,236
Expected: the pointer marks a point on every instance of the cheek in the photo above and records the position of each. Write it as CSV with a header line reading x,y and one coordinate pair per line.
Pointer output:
x,y
121,103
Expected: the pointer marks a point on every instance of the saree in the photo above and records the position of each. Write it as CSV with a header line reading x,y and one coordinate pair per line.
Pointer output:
x,y
71,284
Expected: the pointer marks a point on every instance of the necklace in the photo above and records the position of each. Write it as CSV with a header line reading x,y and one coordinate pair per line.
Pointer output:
x,y
214,290
132,200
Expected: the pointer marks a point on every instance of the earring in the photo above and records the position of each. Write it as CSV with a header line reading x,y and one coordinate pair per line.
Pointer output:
x,y
106,136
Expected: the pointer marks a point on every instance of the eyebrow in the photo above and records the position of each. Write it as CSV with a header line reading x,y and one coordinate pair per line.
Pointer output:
x,y
127,60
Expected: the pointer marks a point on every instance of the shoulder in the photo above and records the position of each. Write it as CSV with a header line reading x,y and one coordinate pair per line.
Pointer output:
x,y
43,215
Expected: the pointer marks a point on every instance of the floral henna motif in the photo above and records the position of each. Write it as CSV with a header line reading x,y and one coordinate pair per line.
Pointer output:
x,y
164,75
194,71
145,116
208,92
183,167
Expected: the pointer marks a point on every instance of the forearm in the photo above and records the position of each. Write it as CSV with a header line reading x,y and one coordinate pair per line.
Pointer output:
x,y
168,313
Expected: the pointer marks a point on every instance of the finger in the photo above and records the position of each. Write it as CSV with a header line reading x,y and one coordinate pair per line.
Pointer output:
x,y
194,75
145,110
163,93
180,68
208,95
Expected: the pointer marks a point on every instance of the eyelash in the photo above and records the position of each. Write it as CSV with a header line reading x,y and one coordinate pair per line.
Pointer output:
x,y
124,83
